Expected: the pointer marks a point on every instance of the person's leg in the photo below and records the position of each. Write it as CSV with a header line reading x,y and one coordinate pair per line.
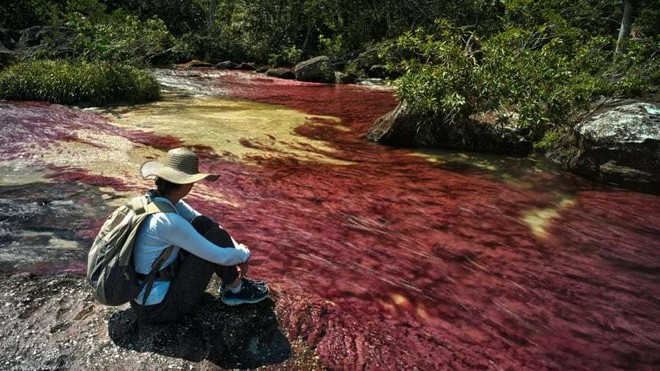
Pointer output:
x,y
212,231
186,288
192,276
236,289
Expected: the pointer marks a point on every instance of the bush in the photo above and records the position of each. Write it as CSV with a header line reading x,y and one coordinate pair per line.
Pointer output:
x,y
440,72
546,74
87,83
118,36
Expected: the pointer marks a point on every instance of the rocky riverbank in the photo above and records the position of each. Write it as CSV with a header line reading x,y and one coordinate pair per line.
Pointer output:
x,y
52,323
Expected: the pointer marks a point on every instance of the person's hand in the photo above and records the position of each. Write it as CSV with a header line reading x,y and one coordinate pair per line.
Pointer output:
x,y
244,268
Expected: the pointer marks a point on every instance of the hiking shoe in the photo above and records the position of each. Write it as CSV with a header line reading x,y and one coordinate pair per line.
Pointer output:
x,y
249,294
223,288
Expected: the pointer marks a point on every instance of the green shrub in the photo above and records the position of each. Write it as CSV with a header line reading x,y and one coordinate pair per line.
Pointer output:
x,y
87,83
546,74
118,36
439,72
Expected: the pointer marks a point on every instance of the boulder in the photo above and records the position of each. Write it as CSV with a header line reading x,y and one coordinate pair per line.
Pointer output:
x,y
281,72
345,78
193,63
402,127
620,145
55,41
318,69
31,37
379,71
227,65
246,67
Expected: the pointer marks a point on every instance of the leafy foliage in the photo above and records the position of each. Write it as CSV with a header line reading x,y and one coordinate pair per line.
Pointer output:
x,y
538,62
545,73
80,82
27,13
115,37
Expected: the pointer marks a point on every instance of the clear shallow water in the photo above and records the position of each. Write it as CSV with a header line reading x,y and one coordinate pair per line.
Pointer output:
x,y
386,258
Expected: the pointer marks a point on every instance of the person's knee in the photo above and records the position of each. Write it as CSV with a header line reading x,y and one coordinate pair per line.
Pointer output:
x,y
212,231
203,223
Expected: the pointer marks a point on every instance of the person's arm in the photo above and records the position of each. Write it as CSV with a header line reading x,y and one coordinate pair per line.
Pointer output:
x,y
175,230
186,211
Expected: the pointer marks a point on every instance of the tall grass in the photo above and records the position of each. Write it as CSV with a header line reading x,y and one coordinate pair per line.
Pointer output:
x,y
81,82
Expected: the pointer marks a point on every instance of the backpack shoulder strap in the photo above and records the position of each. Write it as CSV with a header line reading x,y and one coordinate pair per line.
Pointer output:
x,y
145,205
155,206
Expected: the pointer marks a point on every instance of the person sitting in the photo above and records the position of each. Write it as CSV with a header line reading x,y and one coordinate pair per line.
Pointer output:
x,y
202,247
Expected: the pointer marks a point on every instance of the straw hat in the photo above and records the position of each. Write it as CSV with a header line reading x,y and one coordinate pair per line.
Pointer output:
x,y
180,166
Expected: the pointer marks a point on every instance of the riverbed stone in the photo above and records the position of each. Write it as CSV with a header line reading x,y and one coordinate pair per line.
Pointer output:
x,y
404,128
318,69
227,65
620,145
53,323
281,73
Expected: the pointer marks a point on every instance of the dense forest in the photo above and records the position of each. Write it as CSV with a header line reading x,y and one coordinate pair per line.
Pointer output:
x,y
540,61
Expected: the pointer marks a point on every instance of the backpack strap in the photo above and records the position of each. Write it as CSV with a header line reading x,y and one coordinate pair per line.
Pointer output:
x,y
145,205
155,268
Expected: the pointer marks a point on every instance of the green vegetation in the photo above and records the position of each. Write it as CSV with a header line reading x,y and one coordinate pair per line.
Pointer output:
x,y
81,82
539,67
533,63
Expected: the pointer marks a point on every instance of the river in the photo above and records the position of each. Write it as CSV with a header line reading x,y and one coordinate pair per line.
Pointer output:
x,y
380,257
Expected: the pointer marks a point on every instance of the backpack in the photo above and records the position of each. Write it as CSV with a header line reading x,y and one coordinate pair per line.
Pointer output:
x,y
110,268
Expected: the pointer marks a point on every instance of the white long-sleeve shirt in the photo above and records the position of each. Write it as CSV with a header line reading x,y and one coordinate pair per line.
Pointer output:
x,y
161,230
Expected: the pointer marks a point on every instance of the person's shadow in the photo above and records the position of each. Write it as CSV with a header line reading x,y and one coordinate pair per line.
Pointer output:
x,y
245,336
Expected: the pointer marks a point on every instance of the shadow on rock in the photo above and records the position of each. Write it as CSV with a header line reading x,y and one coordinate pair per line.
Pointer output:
x,y
245,336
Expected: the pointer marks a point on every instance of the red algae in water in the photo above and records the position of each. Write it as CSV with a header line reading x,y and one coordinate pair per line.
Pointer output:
x,y
400,263
393,262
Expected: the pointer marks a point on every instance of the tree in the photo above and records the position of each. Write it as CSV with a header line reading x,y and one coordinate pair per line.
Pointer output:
x,y
630,8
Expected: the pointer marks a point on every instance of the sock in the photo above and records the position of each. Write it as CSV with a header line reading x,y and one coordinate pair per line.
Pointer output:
x,y
238,288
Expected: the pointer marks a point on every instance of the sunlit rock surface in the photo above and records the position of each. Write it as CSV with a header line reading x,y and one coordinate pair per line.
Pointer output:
x,y
620,145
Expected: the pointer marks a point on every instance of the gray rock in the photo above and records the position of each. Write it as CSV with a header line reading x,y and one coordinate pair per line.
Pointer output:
x,y
227,65
7,56
318,69
402,127
282,73
246,67
345,78
377,71
620,145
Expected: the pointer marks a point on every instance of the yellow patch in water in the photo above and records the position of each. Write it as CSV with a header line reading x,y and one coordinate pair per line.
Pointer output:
x,y
400,300
538,220
114,157
223,124
441,157
100,154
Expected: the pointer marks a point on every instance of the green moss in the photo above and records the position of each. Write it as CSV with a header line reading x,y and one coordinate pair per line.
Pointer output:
x,y
87,83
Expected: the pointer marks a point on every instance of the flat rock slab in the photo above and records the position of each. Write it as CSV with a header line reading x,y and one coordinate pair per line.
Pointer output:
x,y
54,323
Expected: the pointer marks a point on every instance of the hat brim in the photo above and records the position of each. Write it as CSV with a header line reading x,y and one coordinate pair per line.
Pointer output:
x,y
154,168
